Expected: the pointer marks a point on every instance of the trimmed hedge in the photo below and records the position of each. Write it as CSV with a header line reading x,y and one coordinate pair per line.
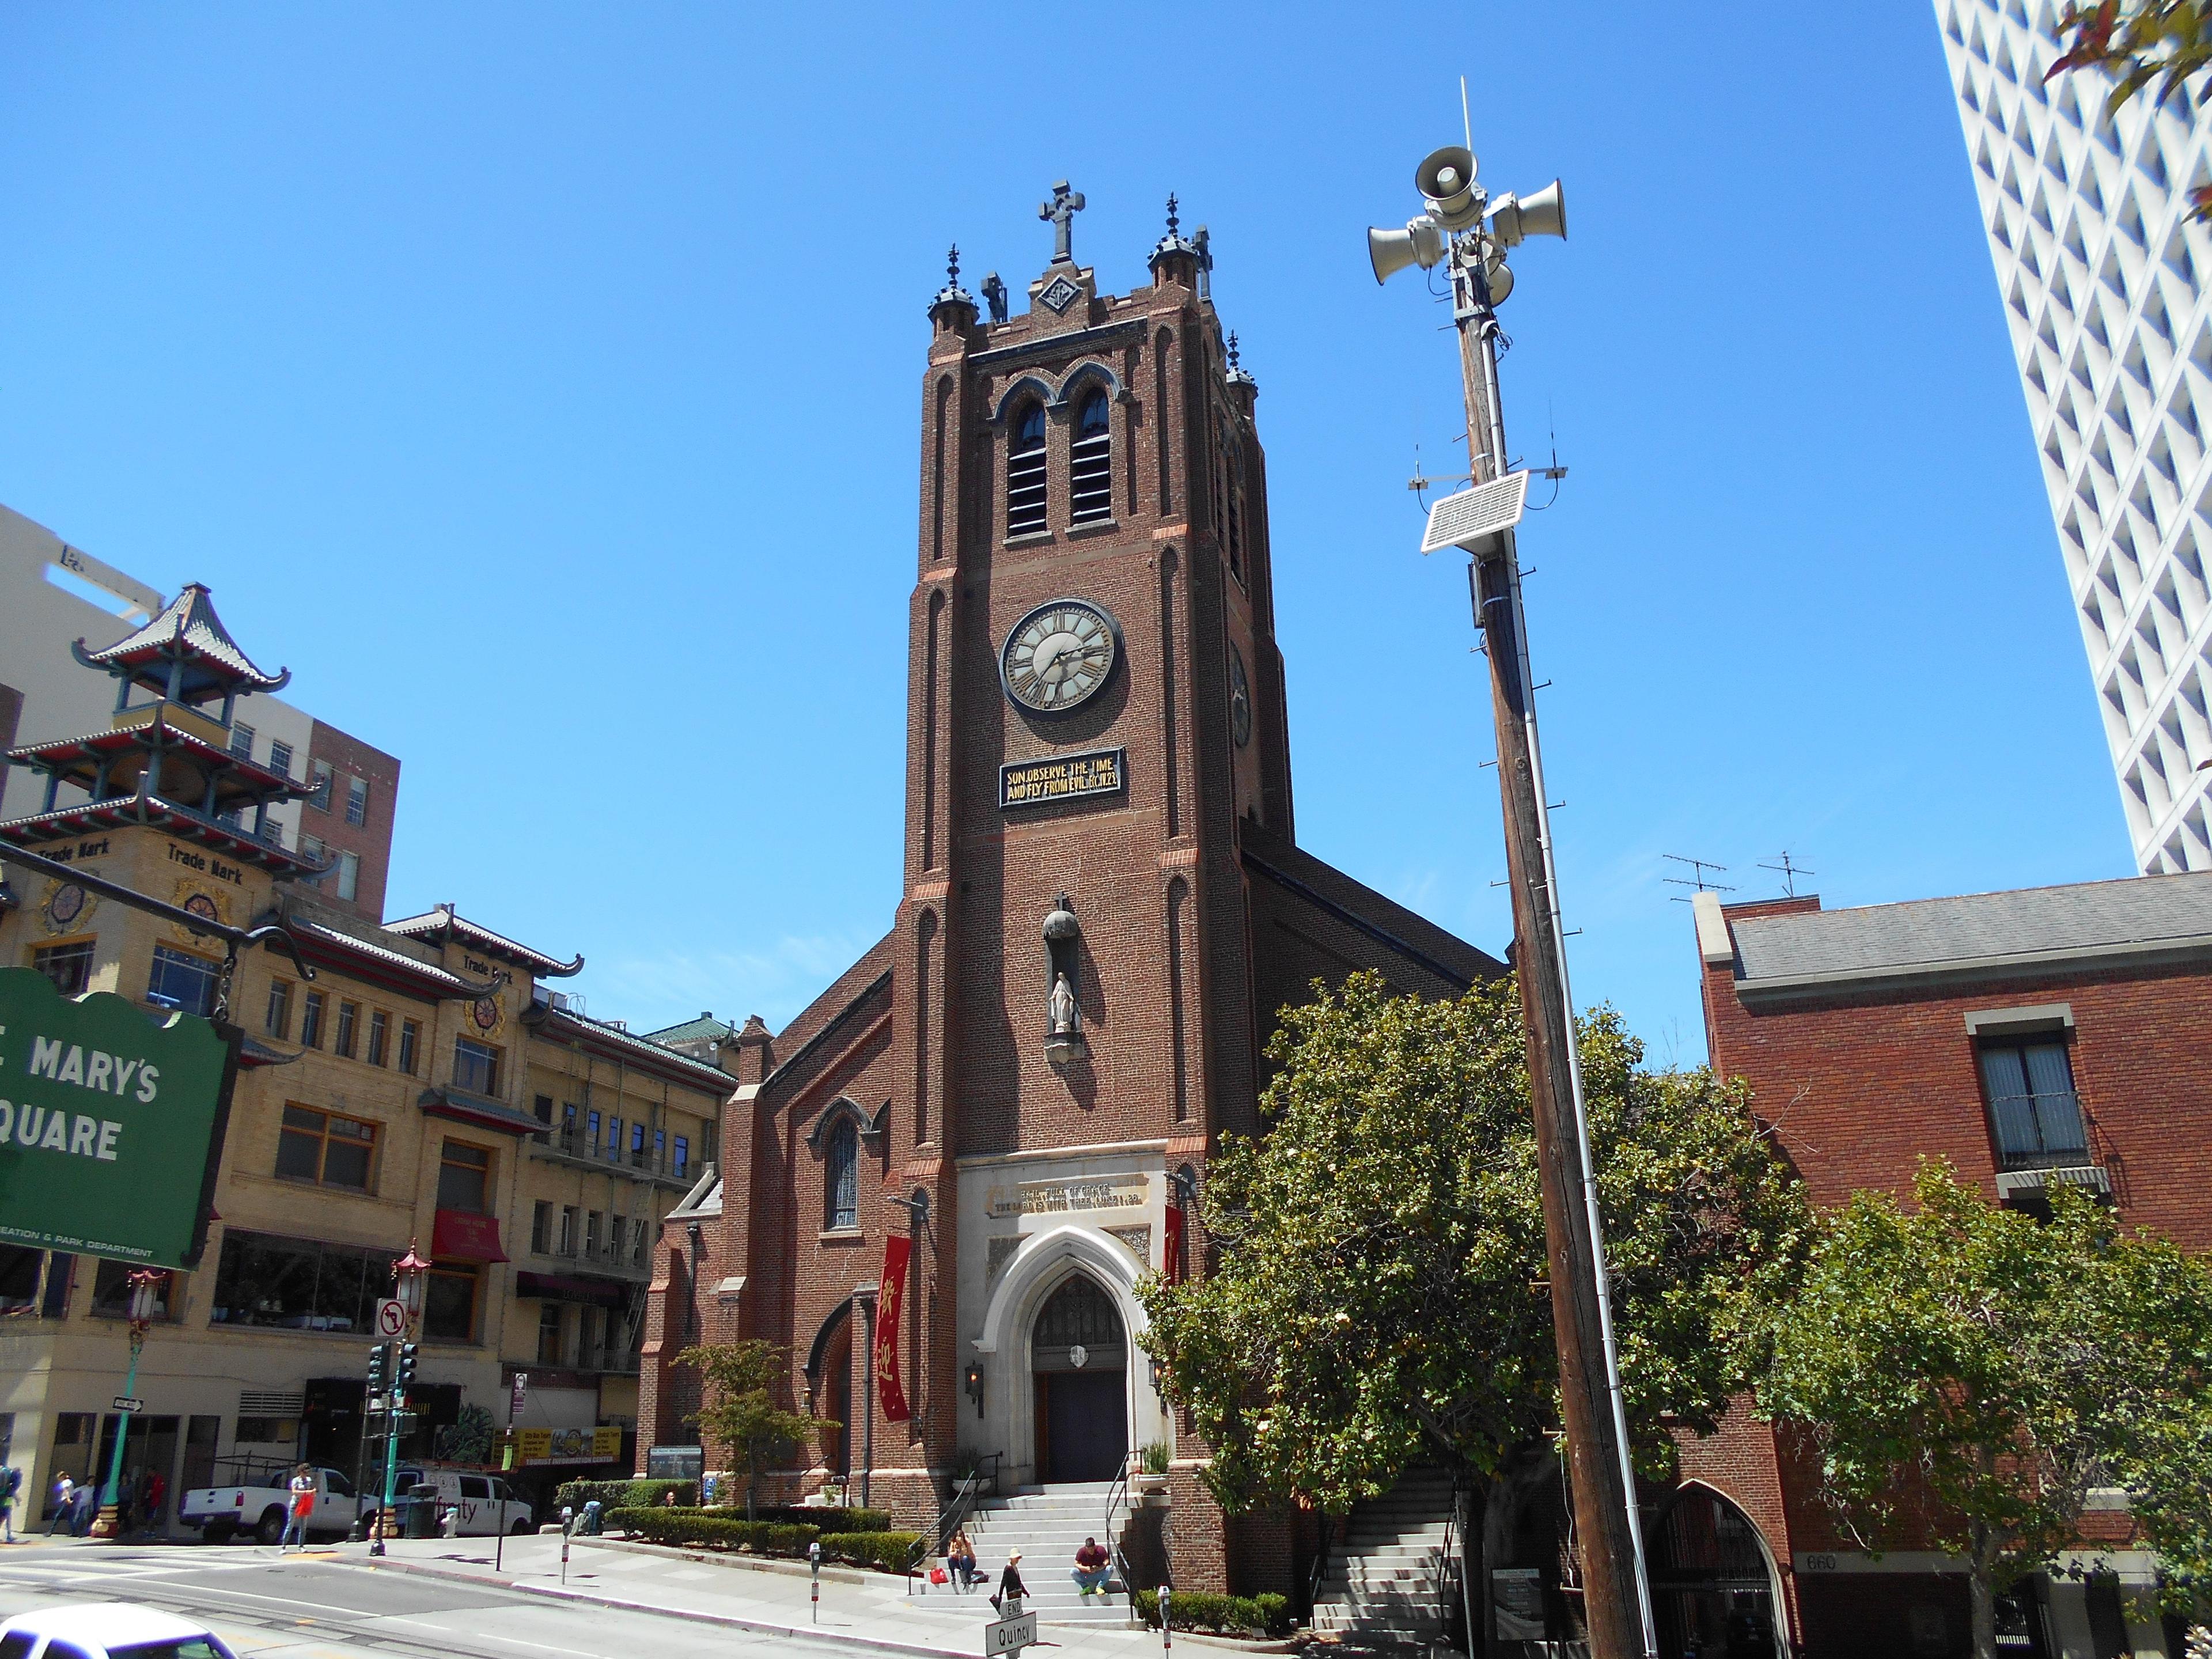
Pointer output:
x,y
1257,1615
622,1494
716,1530
880,1548
828,1519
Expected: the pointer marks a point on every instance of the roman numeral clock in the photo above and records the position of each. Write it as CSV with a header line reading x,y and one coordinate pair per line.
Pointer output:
x,y
1060,656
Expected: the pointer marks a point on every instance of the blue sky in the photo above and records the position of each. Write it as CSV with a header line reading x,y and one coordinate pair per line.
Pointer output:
x,y
541,383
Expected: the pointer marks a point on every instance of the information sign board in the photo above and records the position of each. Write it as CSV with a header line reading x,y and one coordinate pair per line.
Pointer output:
x,y
112,1123
1011,1635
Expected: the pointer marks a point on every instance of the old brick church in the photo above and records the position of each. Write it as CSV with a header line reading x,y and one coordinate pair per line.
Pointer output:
x,y
1104,904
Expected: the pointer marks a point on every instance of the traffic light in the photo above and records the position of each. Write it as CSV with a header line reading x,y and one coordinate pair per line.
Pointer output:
x,y
405,1376
377,1358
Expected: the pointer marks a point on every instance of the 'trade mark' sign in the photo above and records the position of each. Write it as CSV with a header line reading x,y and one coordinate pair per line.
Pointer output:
x,y
1066,777
110,1124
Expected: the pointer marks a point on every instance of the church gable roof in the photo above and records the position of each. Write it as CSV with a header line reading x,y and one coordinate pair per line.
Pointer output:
x,y
1401,938
188,632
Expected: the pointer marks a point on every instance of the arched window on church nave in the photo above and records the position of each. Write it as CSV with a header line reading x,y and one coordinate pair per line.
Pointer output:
x,y
841,1185
1090,463
1025,472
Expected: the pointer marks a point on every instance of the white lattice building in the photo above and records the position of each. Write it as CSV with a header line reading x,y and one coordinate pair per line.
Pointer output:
x,y
2104,290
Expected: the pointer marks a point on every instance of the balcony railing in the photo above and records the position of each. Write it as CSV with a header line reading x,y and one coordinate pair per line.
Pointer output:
x,y
567,1144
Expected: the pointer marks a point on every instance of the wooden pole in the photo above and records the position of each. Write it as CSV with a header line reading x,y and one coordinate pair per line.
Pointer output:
x,y
1615,1601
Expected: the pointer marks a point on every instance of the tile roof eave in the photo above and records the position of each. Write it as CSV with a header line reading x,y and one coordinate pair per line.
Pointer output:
x,y
554,1023
120,812
431,922
30,754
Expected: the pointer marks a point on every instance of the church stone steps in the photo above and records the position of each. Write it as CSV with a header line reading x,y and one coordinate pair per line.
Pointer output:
x,y
1385,1583
1047,1525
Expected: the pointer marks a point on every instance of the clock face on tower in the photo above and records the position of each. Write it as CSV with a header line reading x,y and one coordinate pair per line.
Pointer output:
x,y
1058,657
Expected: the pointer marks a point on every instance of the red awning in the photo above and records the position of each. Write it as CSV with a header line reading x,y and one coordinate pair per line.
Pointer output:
x,y
462,1236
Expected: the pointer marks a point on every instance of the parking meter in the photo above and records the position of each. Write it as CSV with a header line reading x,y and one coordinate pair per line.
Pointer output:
x,y
814,1580
1167,1631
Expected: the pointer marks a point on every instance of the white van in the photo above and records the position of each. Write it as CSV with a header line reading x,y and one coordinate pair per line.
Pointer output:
x,y
481,1502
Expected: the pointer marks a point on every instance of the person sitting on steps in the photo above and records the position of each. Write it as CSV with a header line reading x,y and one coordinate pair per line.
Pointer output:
x,y
960,1561
1092,1563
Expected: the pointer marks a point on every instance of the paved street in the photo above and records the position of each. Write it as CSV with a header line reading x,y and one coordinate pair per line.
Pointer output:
x,y
317,1607
445,1597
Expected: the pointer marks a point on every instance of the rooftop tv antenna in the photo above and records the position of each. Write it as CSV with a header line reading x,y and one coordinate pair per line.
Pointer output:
x,y
1789,873
1696,879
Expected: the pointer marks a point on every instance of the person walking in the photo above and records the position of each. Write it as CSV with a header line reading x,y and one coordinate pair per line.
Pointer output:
x,y
1011,1587
302,1506
11,1482
157,1494
1091,1565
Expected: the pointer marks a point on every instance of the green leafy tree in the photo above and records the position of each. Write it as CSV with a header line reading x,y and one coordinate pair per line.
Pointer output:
x,y
2136,44
738,1382
1968,1375
1378,1297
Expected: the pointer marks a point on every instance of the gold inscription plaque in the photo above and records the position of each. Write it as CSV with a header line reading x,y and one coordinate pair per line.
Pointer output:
x,y
1065,777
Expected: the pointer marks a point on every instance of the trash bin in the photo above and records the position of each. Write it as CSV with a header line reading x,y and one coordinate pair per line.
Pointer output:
x,y
419,1512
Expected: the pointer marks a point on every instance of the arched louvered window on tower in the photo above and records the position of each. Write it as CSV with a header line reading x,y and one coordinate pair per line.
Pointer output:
x,y
1025,473
842,1176
1090,463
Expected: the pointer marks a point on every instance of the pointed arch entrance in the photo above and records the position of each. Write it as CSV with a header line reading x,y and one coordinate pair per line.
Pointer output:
x,y
1079,1365
1715,1591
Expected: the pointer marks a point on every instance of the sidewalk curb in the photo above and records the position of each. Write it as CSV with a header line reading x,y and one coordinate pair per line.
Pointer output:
x,y
729,1621
759,1627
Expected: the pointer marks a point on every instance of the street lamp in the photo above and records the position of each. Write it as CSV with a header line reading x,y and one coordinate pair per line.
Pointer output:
x,y
409,1277
1469,232
145,1293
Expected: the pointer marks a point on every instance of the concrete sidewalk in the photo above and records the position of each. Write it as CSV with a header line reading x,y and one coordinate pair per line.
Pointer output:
x,y
858,1609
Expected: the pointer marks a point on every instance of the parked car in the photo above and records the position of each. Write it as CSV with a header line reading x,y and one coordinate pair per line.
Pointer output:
x,y
108,1630
481,1504
255,1502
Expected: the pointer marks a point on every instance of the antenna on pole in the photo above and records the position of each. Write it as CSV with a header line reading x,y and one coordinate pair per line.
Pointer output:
x,y
1789,873
1696,879
1467,126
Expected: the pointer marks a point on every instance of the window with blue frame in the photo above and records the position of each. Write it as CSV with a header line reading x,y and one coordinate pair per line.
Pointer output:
x,y
182,980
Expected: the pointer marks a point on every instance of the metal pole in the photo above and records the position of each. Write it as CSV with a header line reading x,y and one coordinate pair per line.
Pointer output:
x,y
1602,1476
394,1401
868,1418
113,1495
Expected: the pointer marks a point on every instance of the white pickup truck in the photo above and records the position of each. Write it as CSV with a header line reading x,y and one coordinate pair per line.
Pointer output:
x,y
257,1503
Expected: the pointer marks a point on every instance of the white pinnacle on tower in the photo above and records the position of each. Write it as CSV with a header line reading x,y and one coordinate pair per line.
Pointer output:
x,y
2103,282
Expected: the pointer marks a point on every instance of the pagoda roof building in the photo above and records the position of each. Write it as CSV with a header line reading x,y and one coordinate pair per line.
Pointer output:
x,y
183,655
171,764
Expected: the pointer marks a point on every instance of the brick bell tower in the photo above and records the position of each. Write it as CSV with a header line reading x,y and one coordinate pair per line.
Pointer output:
x,y
1096,706
1103,906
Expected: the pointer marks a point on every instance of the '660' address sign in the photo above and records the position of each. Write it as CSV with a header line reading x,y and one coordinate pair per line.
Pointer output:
x,y
110,1123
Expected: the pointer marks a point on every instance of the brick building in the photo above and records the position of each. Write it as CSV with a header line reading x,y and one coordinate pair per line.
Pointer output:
x,y
2046,1037
1104,903
424,1085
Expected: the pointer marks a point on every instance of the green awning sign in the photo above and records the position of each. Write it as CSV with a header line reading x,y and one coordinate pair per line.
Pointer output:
x,y
112,1122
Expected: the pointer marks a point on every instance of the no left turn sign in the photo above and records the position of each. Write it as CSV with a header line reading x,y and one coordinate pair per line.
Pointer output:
x,y
391,1317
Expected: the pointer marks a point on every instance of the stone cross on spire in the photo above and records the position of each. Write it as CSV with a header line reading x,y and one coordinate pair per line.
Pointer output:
x,y
1065,203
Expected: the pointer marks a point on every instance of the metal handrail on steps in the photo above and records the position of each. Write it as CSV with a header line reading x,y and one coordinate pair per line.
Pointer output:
x,y
952,1515
1117,1496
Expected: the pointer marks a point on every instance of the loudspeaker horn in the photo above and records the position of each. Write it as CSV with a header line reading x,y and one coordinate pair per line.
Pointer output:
x,y
1514,219
1446,177
1421,243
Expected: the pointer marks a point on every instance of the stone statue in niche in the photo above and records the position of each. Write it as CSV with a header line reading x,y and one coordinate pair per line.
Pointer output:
x,y
1064,1038
994,295
1066,1019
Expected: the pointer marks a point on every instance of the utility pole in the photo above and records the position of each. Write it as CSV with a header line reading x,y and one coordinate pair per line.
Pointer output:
x,y
1468,234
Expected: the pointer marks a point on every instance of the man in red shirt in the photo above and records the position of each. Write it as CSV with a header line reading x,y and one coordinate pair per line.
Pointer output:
x,y
1092,1563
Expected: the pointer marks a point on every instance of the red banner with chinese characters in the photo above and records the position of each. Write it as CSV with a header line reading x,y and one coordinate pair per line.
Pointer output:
x,y
1171,1246
895,1253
